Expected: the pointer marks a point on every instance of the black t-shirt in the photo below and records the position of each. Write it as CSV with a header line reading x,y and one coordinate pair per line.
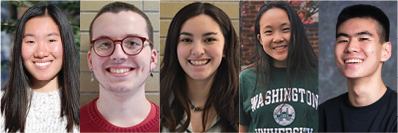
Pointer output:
x,y
338,115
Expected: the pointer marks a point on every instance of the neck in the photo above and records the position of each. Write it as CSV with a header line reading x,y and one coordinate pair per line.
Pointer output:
x,y
365,90
45,85
280,64
123,109
198,90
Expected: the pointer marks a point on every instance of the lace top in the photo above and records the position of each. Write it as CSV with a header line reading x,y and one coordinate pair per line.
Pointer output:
x,y
44,114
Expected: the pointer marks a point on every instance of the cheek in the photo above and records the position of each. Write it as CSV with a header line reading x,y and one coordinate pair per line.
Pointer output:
x,y
287,36
143,58
182,53
338,51
97,62
25,54
266,40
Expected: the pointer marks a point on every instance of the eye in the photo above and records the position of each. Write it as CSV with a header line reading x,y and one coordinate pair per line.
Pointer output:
x,y
30,42
52,40
210,40
268,32
133,43
103,46
342,41
363,39
286,29
186,40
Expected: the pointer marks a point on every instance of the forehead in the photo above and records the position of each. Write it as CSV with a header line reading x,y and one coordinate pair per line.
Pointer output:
x,y
274,16
356,25
119,25
41,24
200,24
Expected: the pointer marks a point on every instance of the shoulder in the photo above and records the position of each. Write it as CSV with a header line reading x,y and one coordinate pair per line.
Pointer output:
x,y
391,92
334,102
247,72
391,97
86,113
153,119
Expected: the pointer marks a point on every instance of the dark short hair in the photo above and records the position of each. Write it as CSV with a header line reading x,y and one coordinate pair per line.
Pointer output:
x,y
367,11
117,7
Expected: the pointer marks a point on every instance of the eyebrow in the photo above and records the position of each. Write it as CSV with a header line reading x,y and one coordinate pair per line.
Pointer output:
x,y
205,34
357,34
283,24
104,36
32,35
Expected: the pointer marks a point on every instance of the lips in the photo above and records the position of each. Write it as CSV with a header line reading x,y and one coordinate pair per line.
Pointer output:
x,y
199,62
42,63
279,47
353,61
119,70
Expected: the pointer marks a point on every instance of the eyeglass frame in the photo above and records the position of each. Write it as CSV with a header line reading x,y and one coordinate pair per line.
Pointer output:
x,y
143,39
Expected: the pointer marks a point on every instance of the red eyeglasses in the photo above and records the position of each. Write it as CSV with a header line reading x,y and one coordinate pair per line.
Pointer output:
x,y
131,45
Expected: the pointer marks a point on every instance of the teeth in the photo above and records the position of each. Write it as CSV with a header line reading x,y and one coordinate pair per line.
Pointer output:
x,y
119,70
42,63
280,47
353,61
198,62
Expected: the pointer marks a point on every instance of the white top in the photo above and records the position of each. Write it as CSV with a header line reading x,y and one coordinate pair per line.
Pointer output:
x,y
44,114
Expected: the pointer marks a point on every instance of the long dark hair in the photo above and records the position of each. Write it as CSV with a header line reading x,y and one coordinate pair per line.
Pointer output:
x,y
223,93
301,58
14,103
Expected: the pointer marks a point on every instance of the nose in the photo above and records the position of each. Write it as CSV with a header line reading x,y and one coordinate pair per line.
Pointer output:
x,y
118,54
197,49
352,46
278,38
41,50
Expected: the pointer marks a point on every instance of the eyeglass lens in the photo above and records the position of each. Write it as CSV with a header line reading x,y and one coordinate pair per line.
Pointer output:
x,y
131,46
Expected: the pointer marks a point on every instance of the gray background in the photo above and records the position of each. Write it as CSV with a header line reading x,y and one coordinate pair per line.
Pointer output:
x,y
331,82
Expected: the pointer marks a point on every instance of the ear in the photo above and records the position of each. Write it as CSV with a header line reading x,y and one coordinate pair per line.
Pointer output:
x,y
386,51
259,39
89,62
154,59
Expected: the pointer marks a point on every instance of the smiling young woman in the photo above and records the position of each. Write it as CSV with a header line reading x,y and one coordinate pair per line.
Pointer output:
x,y
280,90
199,74
42,93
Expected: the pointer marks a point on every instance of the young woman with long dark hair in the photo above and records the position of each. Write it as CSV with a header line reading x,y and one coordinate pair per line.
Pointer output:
x,y
42,93
199,74
280,90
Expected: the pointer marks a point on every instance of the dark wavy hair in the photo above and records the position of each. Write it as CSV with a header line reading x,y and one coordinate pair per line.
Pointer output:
x,y
223,93
14,103
301,58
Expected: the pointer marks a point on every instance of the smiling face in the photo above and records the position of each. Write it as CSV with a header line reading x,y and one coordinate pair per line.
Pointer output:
x,y
200,47
358,51
120,72
42,48
275,35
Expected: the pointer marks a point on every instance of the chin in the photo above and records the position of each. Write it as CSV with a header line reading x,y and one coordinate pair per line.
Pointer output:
x,y
119,89
43,77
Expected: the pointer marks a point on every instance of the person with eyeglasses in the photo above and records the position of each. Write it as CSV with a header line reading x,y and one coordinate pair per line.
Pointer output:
x,y
121,57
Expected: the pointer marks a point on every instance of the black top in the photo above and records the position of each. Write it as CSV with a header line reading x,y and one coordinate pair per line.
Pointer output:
x,y
338,115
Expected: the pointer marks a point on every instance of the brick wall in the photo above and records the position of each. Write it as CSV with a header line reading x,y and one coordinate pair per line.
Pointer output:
x,y
248,13
88,10
169,9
